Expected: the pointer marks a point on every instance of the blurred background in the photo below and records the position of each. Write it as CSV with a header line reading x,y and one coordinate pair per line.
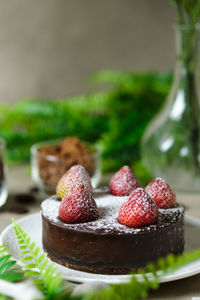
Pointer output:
x,y
96,70
49,48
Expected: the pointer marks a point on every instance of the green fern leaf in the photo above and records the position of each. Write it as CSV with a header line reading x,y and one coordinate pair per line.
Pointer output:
x,y
32,273
38,265
7,272
24,252
29,266
26,258
36,251
4,259
7,266
42,257
44,264
3,249
149,279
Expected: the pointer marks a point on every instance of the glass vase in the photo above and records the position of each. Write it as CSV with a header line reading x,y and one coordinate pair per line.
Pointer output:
x,y
171,143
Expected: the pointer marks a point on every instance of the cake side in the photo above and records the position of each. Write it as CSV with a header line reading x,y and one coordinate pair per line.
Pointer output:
x,y
111,253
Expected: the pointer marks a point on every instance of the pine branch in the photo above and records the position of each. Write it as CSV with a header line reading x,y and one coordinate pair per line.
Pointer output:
x,y
45,274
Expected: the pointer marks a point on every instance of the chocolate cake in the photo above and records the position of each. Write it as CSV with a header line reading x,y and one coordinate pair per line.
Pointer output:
x,y
105,246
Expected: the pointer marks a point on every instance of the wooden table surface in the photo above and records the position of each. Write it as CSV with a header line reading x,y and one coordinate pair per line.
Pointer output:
x,y
19,182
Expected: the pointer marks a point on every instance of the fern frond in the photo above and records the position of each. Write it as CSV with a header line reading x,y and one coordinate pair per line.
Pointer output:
x,y
148,279
37,264
7,272
3,250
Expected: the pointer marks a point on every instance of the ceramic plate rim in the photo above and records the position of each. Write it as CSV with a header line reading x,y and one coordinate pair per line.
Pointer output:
x,y
183,272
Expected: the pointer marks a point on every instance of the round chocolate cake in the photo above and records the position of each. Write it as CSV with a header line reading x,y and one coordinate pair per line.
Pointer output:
x,y
105,246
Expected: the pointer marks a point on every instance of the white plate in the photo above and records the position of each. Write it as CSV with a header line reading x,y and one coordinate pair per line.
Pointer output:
x,y
32,225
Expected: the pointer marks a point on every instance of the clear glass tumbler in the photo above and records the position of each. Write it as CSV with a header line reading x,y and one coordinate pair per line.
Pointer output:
x,y
47,169
3,185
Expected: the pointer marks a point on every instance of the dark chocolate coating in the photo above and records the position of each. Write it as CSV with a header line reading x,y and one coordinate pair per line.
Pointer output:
x,y
113,252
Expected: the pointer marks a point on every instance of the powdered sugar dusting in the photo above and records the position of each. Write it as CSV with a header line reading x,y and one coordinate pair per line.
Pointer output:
x,y
107,222
161,192
139,210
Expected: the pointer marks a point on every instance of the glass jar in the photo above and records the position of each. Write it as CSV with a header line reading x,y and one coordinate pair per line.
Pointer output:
x,y
171,144
3,185
47,169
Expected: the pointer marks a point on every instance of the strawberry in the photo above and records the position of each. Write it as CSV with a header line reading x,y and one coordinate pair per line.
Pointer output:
x,y
139,210
161,192
78,206
76,175
123,182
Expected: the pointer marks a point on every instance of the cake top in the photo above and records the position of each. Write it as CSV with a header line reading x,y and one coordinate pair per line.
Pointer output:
x,y
107,222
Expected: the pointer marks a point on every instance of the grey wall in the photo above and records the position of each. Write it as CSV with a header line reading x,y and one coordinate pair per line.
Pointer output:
x,y
48,48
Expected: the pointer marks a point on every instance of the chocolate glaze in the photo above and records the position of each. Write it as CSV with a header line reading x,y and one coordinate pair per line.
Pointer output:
x,y
105,246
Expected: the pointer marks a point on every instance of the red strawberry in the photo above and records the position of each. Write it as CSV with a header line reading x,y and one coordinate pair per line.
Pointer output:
x,y
123,182
78,206
139,210
76,175
161,192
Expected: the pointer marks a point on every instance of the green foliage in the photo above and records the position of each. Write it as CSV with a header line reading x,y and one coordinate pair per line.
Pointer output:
x,y
7,272
116,118
32,121
133,100
132,290
141,173
150,276
38,265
